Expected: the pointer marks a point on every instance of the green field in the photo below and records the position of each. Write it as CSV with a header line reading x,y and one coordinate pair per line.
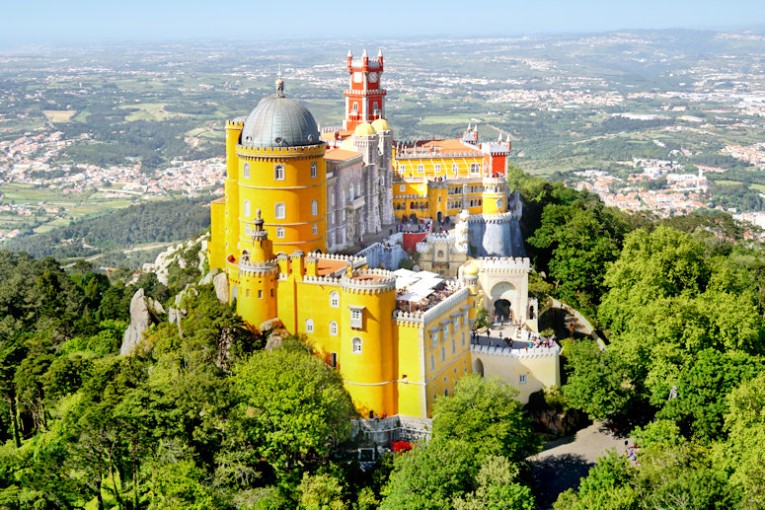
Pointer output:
x,y
150,111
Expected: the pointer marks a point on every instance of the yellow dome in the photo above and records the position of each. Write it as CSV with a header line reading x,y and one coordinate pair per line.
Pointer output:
x,y
381,125
471,268
364,129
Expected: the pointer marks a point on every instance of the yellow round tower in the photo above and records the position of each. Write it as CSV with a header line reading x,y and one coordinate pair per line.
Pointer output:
x,y
494,197
257,274
367,351
283,173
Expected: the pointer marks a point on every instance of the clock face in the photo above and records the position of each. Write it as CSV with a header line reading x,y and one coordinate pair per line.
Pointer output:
x,y
373,77
357,77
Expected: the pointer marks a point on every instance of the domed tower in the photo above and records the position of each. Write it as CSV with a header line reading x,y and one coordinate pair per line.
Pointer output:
x,y
365,141
281,171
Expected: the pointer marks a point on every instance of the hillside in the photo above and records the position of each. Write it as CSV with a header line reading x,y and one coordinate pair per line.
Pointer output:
x,y
129,236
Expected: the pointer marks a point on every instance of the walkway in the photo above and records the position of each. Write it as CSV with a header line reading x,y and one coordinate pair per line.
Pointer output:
x,y
564,462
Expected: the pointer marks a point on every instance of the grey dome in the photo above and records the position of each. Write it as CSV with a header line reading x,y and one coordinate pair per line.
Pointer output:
x,y
279,122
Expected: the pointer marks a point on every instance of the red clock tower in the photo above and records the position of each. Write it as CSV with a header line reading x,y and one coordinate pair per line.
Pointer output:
x,y
364,99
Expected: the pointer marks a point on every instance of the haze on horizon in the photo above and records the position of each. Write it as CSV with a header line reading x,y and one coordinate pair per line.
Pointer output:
x,y
143,20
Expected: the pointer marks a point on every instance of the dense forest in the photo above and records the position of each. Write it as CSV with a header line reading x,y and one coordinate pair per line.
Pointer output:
x,y
203,415
150,222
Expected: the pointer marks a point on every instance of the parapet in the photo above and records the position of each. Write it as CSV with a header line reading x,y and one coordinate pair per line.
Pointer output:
x,y
260,268
369,281
505,265
530,353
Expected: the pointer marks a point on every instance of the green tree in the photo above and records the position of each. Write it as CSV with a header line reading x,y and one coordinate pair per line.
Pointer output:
x,y
486,414
292,408
320,492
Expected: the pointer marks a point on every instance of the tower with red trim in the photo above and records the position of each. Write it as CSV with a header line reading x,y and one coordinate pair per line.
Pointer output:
x,y
364,99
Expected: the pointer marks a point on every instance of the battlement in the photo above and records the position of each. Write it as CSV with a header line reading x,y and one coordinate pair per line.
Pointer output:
x,y
235,124
248,268
302,151
531,352
505,265
408,318
369,281
322,280
506,217
355,260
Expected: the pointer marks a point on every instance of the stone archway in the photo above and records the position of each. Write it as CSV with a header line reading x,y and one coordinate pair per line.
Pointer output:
x,y
503,309
478,366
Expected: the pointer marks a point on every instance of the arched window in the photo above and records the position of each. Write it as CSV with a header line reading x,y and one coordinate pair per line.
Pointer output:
x,y
281,211
315,229
334,299
315,207
246,170
247,208
357,345
279,172
309,325
314,170
455,168
333,328
443,353
454,346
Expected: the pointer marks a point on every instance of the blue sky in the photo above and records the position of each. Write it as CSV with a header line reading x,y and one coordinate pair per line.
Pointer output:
x,y
49,20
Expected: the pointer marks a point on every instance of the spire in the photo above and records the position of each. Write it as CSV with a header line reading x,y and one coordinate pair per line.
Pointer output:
x,y
379,53
364,54
280,87
350,55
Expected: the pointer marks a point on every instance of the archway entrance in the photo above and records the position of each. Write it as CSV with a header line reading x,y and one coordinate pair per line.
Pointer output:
x,y
478,367
439,216
502,309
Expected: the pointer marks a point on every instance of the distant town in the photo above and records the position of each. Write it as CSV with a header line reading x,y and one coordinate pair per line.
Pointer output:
x,y
636,117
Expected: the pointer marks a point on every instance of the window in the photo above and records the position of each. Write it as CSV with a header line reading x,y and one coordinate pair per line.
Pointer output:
x,y
475,168
446,392
455,168
333,328
309,325
420,169
280,232
356,345
281,211
315,207
437,168
499,203
334,299
454,346
432,362
247,208
522,379
401,170
314,169
357,317
279,172
443,354
260,294
434,339
314,229
246,171
463,339
333,359
402,187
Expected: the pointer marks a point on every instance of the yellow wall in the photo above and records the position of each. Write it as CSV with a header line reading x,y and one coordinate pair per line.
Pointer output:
x,y
297,190
216,247
368,376
541,371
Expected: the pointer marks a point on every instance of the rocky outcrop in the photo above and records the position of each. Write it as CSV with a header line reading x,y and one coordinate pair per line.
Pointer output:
x,y
174,254
140,319
220,282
